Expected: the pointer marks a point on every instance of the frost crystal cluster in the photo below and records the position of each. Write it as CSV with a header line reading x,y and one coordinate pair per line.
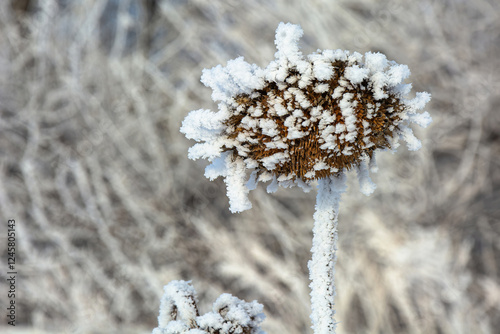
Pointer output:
x,y
179,313
301,119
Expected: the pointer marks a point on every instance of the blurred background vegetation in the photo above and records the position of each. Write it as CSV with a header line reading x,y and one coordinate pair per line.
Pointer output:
x,y
109,209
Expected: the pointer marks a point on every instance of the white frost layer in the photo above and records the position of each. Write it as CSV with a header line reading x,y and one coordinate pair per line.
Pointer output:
x,y
203,124
356,74
322,264
238,77
366,185
287,42
180,297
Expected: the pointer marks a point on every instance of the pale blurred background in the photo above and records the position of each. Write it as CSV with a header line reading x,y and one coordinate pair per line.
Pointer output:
x,y
109,209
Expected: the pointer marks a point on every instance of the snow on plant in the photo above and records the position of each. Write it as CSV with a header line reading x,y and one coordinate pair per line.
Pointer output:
x,y
302,120
179,313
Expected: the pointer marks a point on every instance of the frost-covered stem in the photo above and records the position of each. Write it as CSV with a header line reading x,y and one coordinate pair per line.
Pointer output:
x,y
324,247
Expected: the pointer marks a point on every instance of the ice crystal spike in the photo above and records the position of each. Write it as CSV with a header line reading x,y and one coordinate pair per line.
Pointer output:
x,y
302,118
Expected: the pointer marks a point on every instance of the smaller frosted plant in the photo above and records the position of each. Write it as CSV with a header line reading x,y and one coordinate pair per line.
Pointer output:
x,y
179,313
300,121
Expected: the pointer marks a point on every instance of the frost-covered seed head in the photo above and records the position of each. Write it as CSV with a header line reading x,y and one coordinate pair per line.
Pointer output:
x,y
301,119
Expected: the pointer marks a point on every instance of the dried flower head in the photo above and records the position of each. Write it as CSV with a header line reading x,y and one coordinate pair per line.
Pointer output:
x,y
301,119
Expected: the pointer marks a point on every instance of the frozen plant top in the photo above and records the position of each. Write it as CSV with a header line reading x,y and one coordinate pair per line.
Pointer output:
x,y
302,118
230,315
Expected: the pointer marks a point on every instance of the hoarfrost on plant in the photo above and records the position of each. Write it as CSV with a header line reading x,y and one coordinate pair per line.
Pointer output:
x,y
301,119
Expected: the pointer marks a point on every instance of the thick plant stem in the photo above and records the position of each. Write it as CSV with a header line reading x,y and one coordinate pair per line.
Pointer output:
x,y
324,247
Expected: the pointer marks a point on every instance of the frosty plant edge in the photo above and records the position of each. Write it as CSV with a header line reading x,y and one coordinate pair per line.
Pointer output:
x,y
301,121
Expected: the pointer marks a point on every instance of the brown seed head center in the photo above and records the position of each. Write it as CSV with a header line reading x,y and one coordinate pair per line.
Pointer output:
x,y
375,120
